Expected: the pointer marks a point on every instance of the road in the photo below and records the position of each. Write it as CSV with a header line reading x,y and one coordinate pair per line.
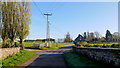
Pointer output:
x,y
48,58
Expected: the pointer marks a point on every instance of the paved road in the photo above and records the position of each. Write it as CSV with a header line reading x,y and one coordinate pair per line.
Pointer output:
x,y
49,58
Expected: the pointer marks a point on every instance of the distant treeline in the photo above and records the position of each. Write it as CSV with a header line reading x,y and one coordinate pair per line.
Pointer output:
x,y
95,37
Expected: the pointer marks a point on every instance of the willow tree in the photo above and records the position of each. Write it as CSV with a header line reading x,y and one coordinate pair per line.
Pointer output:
x,y
24,21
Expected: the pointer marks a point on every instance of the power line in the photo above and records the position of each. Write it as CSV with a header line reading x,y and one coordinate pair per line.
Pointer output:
x,y
48,22
48,27
39,9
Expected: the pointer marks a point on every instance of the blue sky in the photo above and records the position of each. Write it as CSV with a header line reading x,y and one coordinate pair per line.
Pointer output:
x,y
73,17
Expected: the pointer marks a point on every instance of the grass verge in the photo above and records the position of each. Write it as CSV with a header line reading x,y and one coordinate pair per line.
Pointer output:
x,y
75,61
17,59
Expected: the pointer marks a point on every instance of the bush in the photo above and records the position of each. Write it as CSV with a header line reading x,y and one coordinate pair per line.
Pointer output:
x,y
87,45
82,43
95,45
115,45
104,46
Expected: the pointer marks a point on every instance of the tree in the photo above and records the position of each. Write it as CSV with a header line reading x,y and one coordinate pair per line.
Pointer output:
x,y
68,38
4,23
15,21
88,35
97,34
116,37
91,36
12,21
84,35
108,36
0,19
102,39
24,14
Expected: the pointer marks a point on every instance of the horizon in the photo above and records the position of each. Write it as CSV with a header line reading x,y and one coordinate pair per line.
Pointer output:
x,y
73,17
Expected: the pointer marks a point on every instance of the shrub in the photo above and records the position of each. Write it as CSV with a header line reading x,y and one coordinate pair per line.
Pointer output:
x,y
82,43
95,45
87,45
115,45
104,46
108,46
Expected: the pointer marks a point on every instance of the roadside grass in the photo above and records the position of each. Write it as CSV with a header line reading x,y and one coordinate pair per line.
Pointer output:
x,y
77,61
17,59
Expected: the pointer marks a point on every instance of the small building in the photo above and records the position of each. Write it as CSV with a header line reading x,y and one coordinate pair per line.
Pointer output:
x,y
79,39
32,41
50,39
87,40
60,40
40,40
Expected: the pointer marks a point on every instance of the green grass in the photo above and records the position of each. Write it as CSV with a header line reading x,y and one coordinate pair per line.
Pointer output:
x,y
49,48
103,45
36,45
57,46
74,60
18,58
28,44
32,45
0,63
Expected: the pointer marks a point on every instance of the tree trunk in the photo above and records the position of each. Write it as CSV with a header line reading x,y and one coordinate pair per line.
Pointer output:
x,y
4,43
12,43
21,44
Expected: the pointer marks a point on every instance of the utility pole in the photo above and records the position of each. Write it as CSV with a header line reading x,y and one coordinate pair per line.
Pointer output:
x,y
48,28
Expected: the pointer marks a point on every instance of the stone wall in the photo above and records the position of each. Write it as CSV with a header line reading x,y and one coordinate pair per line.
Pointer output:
x,y
105,55
6,52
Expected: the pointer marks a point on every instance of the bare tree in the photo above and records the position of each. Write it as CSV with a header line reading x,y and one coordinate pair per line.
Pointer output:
x,y
97,34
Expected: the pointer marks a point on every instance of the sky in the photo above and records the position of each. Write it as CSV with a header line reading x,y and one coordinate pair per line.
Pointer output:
x,y
73,17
